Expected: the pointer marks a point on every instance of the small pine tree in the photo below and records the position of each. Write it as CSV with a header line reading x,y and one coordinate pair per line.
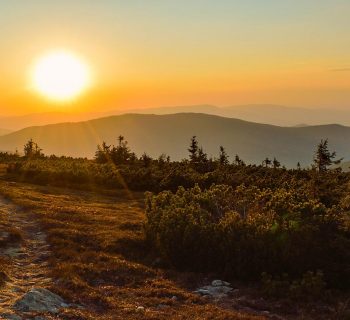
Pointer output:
x,y
323,157
121,154
275,163
32,150
193,150
223,157
202,156
146,159
162,160
103,153
238,161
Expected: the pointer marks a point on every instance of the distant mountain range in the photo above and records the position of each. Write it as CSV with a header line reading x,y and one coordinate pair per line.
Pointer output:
x,y
260,113
170,134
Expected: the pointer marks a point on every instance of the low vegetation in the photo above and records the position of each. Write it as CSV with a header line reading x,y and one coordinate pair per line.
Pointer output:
x,y
101,262
286,229
243,232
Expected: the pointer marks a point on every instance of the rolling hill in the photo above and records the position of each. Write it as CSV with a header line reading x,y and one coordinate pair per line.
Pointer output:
x,y
170,134
259,113
263,113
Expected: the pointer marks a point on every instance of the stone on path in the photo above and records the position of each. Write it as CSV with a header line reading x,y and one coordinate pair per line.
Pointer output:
x,y
40,300
218,289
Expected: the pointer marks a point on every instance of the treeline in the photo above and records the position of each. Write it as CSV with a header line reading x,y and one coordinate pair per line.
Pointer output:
x,y
119,167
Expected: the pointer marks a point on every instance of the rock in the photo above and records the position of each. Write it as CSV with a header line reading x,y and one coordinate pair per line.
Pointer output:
x,y
40,300
218,289
218,292
203,292
174,298
219,283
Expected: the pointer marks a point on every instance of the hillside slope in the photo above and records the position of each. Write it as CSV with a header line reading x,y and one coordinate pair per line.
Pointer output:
x,y
260,113
171,134
263,113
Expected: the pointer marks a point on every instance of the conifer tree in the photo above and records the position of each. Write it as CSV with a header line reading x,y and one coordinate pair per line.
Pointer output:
x,y
323,157
275,163
238,161
223,157
32,150
193,150
202,156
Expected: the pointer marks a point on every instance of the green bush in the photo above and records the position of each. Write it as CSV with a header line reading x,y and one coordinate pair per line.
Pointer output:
x,y
244,231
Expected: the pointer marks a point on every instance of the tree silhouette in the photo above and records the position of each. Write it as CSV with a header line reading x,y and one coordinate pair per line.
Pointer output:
x,y
275,163
146,159
32,150
121,154
238,161
202,156
103,153
193,150
323,157
223,157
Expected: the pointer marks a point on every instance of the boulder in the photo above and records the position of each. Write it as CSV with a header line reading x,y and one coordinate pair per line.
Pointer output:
x,y
218,289
40,300
219,283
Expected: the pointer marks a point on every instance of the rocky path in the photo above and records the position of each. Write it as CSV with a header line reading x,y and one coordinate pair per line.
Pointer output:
x,y
27,260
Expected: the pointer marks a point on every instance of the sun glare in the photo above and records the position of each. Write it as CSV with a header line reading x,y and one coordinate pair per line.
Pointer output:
x,y
60,76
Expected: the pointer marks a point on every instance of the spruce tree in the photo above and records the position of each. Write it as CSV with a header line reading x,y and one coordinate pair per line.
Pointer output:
x,y
193,150
223,157
275,163
323,157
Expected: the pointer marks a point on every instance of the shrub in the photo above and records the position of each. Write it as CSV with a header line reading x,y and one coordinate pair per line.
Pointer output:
x,y
244,231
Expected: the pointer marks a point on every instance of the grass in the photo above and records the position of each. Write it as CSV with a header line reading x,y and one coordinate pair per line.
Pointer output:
x,y
9,237
101,261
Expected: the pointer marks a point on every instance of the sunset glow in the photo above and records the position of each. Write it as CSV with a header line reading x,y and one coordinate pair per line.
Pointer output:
x,y
146,54
60,76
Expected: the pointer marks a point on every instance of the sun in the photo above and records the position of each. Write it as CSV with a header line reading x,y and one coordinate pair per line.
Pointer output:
x,y
60,76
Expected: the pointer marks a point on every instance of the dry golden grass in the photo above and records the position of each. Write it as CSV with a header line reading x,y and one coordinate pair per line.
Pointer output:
x,y
101,261
9,237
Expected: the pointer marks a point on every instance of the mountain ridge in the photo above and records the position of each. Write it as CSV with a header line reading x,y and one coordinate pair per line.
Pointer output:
x,y
170,134
259,113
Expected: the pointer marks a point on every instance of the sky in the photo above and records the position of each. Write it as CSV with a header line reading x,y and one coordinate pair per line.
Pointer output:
x,y
185,52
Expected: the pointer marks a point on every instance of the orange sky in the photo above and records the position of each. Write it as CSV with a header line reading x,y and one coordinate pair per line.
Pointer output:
x,y
162,53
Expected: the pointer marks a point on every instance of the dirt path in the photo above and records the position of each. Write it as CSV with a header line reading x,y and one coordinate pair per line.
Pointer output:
x,y
28,260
